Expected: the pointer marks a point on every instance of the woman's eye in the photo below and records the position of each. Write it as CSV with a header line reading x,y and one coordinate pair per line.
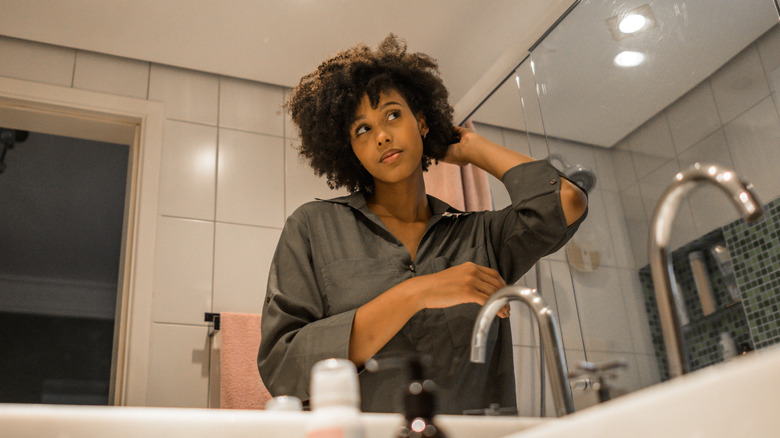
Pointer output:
x,y
361,130
394,115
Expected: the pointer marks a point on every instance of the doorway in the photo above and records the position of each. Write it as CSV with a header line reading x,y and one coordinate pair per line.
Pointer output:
x,y
131,130
62,201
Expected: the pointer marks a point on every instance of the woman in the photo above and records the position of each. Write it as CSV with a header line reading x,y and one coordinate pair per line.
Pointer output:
x,y
389,269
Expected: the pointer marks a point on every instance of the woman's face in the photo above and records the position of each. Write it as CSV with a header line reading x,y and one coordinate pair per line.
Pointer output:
x,y
388,139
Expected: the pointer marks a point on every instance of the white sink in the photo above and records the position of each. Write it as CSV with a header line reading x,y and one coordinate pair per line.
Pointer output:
x,y
38,421
735,399
740,398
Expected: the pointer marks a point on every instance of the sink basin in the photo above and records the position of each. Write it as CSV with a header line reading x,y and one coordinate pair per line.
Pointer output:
x,y
739,398
34,421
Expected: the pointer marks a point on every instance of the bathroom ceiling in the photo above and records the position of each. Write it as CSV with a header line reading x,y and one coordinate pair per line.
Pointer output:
x,y
586,98
278,41
476,43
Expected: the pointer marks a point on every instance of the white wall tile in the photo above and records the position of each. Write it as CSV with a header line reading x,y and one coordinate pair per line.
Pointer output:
x,y
517,141
537,144
602,311
653,139
769,50
36,62
301,184
754,142
592,246
623,165
182,271
242,258
621,243
739,85
637,234
251,106
111,74
178,366
250,180
647,367
693,117
566,306
188,170
635,311
290,130
490,132
636,222
605,173
633,204
527,378
190,96
709,206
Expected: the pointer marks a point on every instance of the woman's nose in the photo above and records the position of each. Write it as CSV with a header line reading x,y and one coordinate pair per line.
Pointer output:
x,y
383,137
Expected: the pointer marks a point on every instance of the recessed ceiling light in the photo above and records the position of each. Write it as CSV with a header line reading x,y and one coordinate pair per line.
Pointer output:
x,y
629,58
632,23
627,23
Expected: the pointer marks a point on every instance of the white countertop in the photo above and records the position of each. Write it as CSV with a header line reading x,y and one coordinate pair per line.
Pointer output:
x,y
734,399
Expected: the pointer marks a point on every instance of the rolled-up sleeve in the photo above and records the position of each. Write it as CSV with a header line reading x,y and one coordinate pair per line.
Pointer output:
x,y
534,225
296,333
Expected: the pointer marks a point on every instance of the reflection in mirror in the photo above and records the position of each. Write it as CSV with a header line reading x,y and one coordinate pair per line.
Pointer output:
x,y
706,90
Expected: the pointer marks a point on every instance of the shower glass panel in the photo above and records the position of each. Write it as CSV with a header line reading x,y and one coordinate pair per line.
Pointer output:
x,y
637,91
512,117
705,84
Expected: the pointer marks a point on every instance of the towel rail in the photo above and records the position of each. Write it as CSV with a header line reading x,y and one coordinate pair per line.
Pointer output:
x,y
214,319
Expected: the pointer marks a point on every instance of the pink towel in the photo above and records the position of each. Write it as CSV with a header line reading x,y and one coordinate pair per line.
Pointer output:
x,y
465,188
240,386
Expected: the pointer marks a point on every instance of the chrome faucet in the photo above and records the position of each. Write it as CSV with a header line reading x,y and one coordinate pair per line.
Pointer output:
x,y
551,339
741,193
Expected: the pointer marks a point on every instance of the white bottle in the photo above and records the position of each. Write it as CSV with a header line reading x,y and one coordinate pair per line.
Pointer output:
x,y
727,347
335,401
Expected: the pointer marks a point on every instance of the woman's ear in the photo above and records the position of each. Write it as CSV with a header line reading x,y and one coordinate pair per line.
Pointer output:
x,y
421,125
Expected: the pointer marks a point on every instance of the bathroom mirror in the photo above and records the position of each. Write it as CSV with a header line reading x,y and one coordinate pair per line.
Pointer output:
x,y
683,81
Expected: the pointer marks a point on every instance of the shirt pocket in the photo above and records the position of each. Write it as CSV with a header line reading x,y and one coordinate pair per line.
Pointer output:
x,y
351,282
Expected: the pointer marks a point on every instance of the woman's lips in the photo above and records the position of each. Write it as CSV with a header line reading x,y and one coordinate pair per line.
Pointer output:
x,y
389,156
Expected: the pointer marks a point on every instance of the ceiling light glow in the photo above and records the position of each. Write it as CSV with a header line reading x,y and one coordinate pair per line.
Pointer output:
x,y
632,23
629,58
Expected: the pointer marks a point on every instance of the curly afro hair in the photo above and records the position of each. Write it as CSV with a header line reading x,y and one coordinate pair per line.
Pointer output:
x,y
323,106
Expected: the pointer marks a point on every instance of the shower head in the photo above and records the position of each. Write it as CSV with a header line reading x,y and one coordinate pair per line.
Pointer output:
x,y
582,176
578,174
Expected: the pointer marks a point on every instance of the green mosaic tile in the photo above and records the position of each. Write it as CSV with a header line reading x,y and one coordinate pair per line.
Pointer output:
x,y
755,320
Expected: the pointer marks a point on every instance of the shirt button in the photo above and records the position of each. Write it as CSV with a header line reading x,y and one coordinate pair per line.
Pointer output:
x,y
552,182
411,267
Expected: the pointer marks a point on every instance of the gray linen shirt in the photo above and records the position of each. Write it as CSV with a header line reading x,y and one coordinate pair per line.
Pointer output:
x,y
334,256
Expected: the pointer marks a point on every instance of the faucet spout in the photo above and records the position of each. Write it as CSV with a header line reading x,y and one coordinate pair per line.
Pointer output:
x,y
744,199
551,339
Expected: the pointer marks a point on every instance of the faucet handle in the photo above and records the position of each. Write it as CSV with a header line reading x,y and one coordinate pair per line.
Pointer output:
x,y
599,373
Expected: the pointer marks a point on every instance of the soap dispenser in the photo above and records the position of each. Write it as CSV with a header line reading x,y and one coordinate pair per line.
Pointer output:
x,y
419,405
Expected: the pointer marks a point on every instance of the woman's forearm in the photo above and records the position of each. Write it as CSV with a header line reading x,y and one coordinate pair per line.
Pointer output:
x,y
496,160
377,321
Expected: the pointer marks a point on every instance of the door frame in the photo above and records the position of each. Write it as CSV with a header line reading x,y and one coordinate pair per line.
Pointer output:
x,y
90,115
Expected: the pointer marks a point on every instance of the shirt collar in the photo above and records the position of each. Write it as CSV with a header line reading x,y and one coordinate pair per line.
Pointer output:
x,y
357,201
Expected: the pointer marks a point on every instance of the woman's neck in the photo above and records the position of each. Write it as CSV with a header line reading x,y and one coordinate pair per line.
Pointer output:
x,y
405,201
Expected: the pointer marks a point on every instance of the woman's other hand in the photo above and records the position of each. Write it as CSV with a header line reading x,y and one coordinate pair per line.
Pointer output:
x,y
464,283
